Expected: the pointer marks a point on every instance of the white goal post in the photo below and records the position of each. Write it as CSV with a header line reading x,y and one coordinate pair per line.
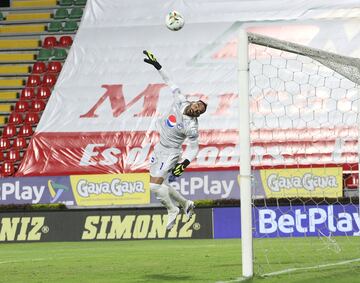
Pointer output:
x,y
245,156
335,89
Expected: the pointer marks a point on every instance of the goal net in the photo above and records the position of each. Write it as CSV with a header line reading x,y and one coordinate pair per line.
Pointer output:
x,y
300,158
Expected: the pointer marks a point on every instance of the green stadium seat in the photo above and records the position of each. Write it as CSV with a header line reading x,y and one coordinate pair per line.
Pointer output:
x,y
59,54
65,2
80,2
1,16
76,13
44,55
70,26
54,26
61,13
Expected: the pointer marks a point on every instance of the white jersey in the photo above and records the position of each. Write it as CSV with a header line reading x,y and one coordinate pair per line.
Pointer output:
x,y
174,126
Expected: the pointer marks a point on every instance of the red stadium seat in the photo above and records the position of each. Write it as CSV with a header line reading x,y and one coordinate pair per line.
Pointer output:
x,y
19,143
32,118
27,93
65,41
21,106
15,118
9,131
13,155
4,143
37,105
7,169
33,81
25,131
352,181
54,67
43,92
49,80
39,68
2,156
49,42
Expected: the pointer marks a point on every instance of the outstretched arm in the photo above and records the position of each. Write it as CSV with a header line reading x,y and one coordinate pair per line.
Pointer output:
x,y
151,59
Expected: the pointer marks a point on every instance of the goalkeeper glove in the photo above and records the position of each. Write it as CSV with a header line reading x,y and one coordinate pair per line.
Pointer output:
x,y
179,168
151,60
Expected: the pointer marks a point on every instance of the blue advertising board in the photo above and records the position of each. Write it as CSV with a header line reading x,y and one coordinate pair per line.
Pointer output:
x,y
294,221
34,190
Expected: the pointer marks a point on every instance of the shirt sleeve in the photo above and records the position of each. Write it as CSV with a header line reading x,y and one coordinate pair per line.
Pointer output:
x,y
178,96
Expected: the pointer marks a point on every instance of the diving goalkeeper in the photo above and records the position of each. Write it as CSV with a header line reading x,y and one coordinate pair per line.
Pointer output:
x,y
175,126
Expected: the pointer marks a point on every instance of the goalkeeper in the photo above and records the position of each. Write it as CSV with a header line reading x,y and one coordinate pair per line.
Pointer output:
x,y
177,124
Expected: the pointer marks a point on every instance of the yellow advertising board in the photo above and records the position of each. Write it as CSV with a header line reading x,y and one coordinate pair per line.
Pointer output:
x,y
302,182
111,189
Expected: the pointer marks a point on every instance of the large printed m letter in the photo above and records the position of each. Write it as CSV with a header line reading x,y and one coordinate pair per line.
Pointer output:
x,y
117,101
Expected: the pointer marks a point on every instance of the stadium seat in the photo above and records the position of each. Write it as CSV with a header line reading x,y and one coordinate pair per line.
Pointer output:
x,y
76,13
43,92
61,13
19,143
39,68
2,156
7,168
54,26
54,67
27,93
25,130
49,80
59,54
1,16
352,181
4,143
15,118
49,42
80,2
65,41
65,2
32,118
37,105
9,131
70,26
13,155
44,55
33,81
21,106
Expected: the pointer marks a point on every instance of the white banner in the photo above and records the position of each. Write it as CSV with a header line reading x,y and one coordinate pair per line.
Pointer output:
x,y
105,87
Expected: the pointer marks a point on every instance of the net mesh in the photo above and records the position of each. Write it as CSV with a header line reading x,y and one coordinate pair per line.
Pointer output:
x,y
304,137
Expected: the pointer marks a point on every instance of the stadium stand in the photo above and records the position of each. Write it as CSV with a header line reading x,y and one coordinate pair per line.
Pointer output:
x,y
35,36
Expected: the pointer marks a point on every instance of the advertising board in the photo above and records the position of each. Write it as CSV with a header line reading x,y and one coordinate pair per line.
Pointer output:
x,y
90,225
294,221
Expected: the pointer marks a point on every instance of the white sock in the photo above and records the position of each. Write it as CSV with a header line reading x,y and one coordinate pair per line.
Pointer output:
x,y
177,196
162,194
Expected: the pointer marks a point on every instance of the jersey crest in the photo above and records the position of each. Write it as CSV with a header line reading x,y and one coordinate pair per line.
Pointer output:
x,y
171,121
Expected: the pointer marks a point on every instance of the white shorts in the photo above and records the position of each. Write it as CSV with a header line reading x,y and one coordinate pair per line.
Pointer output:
x,y
162,161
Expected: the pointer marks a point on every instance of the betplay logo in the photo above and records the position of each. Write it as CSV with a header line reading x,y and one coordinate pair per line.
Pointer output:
x,y
16,191
309,221
56,190
205,185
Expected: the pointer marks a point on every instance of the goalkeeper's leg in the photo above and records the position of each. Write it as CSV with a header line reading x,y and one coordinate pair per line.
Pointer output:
x,y
187,205
161,192
159,166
